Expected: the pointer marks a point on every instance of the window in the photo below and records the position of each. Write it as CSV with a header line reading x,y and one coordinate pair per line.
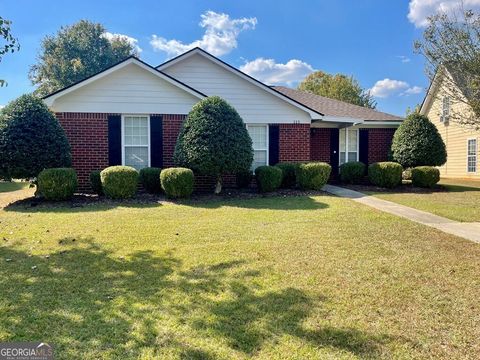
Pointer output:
x,y
136,141
445,109
348,145
472,155
259,135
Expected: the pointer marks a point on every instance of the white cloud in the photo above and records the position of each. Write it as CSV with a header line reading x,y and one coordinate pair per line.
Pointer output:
x,y
271,72
413,90
419,10
386,87
404,59
132,41
220,35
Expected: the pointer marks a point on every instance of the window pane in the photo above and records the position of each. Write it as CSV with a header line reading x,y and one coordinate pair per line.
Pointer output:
x,y
342,139
259,136
352,156
136,130
342,157
352,140
472,147
136,156
259,158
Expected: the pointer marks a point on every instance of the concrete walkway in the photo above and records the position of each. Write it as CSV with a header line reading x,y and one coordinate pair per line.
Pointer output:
x,y
470,231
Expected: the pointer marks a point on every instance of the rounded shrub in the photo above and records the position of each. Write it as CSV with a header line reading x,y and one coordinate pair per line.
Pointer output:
x,y
269,178
385,174
214,141
96,182
177,182
57,183
243,179
31,139
313,175
119,182
289,178
417,142
150,179
352,172
425,176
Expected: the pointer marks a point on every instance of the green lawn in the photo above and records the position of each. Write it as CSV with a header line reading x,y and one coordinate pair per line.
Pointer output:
x,y
7,186
267,278
460,201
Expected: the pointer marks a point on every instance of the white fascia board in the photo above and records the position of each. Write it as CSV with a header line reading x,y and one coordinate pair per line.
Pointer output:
x,y
343,120
51,98
313,114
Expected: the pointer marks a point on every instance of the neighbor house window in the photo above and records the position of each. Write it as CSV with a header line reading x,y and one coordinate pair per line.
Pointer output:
x,y
259,135
472,155
136,141
445,109
348,145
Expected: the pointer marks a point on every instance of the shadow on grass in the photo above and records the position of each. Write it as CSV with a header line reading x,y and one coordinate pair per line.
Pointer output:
x,y
84,300
274,201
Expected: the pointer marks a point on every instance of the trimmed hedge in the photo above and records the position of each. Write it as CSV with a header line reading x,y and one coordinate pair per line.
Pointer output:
x,y
57,183
177,182
150,179
385,174
243,179
425,176
313,175
289,178
269,178
119,182
96,182
352,172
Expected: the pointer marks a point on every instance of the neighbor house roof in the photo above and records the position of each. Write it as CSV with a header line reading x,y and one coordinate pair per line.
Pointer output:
x,y
336,108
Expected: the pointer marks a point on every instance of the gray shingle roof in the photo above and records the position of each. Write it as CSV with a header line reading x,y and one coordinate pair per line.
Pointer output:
x,y
332,107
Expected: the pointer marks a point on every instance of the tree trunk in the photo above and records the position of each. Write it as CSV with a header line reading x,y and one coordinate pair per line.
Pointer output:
x,y
218,186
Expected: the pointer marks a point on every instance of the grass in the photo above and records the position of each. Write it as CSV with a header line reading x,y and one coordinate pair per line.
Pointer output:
x,y
8,186
266,278
460,201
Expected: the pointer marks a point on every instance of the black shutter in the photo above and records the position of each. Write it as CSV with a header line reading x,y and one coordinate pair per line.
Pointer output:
x,y
114,140
273,144
334,150
363,146
156,141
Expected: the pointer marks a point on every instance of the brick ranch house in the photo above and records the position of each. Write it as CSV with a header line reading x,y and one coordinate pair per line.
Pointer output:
x,y
131,114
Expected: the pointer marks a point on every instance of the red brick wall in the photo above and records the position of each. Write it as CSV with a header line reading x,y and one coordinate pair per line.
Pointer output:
x,y
320,144
87,134
379,142
294,142
171,128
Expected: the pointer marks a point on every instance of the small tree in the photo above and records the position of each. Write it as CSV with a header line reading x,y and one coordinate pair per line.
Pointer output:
x,y
417,142
214,141
31,139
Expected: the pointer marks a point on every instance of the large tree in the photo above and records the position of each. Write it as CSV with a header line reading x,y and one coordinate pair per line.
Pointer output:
x,y
451,46
338,86
214,141
74,53
9,43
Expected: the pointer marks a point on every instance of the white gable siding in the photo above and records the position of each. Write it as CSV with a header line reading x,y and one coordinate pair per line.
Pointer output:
x,y
254,104
130,89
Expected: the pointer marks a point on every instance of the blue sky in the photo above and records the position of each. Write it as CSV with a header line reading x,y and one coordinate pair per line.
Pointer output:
x,y
275,41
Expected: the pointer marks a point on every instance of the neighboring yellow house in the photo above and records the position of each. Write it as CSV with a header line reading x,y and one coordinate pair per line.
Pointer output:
x,y
463,144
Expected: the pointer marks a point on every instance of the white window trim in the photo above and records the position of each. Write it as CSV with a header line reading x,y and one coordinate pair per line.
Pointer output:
x,y
476,155
123,136
346,145
267,126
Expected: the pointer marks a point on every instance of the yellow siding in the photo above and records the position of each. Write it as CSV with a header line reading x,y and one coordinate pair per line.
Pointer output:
x,y
455,138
